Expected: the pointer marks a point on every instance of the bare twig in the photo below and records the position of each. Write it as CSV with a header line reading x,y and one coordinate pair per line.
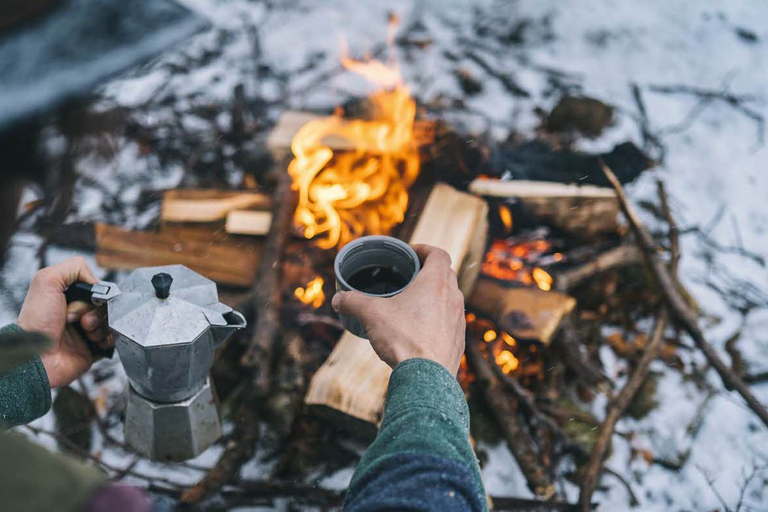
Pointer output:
x,y
615,410
621,256
677,305
504,408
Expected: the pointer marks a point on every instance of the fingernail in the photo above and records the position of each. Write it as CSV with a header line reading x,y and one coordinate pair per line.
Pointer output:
x,y
336,302
72,317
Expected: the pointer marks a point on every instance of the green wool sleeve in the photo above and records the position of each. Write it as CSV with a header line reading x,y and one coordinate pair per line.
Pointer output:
x,y
25,393
425,413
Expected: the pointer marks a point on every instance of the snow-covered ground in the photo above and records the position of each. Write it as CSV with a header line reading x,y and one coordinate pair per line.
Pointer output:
x,y
714,166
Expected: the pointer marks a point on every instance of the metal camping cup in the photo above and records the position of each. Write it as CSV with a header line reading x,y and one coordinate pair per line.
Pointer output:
x,y
380,266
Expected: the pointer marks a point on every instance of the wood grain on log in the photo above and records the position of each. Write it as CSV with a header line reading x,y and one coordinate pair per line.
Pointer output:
x,y
193,205
621,256
352,383
248,222
582,210
208,251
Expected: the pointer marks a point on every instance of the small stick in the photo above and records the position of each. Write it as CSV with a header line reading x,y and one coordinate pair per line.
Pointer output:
x,y
504,408
677,305
621,256
615,410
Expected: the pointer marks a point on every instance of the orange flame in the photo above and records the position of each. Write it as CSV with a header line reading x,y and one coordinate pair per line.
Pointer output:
x,y
347,194
312,294
506,217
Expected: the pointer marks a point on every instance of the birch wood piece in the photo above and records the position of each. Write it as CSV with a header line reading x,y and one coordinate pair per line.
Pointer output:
x,y
207,251
191,205
291,122
351,386
525,313
582,210
248,222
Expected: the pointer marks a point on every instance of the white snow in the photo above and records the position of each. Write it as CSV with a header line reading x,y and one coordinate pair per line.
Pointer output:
x,y
715,162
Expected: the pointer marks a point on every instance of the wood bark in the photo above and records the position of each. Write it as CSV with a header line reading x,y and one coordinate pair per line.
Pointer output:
x,y
677,305
351,385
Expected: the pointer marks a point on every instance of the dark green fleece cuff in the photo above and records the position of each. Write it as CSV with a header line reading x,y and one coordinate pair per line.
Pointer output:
x,y
422,383
25,393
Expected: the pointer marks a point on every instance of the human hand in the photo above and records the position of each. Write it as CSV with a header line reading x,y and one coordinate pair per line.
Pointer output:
x,y
45,310
426,320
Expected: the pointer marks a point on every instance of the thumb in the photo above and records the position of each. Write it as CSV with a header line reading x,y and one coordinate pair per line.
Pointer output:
x,y
354,304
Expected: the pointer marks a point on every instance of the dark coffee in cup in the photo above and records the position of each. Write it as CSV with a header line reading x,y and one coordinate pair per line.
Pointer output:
x,y
381,266
378,280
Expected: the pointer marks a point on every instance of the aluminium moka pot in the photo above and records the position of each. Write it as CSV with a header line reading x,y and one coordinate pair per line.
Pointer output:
x,y
167,323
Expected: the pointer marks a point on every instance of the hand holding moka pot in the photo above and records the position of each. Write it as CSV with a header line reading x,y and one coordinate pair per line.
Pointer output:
x,y
167,323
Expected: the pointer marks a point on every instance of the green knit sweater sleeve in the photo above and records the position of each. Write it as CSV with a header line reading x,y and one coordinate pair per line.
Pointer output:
x,y
426,415
25,393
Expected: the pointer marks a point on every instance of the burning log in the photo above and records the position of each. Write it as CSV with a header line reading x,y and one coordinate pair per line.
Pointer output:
x,y
581,210
208,205
206,250
524,313
677,304
351,385
505,410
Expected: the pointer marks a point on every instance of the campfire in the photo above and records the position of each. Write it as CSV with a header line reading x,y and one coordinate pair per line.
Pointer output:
x,y
545,266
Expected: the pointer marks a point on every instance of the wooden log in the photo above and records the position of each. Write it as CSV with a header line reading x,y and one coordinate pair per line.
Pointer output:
x,y
193,205
291,122
248,222
524,313
350,387
208,251
582,210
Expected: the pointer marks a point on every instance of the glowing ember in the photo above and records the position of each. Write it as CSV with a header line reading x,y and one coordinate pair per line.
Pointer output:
x,y
347,194
312,294
489,335
513,260
543,280
509,340
507,361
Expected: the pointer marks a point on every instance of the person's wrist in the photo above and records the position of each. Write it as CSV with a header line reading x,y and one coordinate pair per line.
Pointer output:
x,y
49,363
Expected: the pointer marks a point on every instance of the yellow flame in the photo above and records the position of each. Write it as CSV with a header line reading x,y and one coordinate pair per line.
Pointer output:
x,y
506,217
542,279
507,361
312,294
489,335
347,194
